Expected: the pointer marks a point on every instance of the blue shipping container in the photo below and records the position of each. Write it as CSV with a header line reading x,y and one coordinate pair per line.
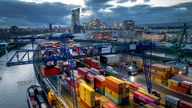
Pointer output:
x,y
172,100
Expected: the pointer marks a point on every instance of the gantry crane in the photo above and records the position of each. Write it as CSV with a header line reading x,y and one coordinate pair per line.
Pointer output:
x,y
64,54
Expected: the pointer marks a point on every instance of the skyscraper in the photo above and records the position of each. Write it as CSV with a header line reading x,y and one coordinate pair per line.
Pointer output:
x,y
75,21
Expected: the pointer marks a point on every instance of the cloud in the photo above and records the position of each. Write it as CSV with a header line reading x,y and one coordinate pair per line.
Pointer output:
x,y
22,13
15,12
143,14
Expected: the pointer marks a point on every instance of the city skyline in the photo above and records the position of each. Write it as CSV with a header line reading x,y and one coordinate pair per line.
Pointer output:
x,y
42,12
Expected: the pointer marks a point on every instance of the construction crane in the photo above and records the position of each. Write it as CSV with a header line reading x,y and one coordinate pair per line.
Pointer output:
x,y
178,46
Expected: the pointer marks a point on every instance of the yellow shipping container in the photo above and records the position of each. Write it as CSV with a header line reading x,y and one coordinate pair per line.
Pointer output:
x,y
127,83
87,89
173,82
158,72
112,93
157,80
161,67
140,88
89,101
117,79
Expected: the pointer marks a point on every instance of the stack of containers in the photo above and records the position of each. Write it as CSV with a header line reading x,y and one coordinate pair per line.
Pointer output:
x,y
160,73
94,64
141,99
82,72
115,89
172,102
173,83
157,99
185,81
90,80
87,95
94,71
187,85
100,84
179,85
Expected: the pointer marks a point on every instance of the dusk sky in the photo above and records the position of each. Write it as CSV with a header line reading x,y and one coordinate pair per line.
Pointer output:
x,y
42,12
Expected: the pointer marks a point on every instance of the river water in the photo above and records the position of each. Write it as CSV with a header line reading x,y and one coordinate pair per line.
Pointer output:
x,y
14,81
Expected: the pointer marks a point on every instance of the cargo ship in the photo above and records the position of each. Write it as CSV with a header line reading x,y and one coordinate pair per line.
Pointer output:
x,y
82,83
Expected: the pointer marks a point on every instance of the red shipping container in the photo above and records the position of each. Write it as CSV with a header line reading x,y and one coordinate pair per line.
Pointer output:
x,y
186,84
87,60
99,80
184,104
50,71
135,85
82,72
102,87
101,71
172,87
181,89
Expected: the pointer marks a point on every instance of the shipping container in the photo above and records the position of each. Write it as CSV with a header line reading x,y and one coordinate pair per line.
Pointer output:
x,y
134,86
172,100
156,79
161,67
142,98
117,100
50,70
157,99
94,71
87,94
184,104
173,82
110,59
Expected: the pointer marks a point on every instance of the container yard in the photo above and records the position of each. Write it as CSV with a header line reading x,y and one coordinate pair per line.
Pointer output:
x,y
95,54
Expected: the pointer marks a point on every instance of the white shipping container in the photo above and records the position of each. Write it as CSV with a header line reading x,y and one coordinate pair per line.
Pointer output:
x,y
106,50
112,59
109,68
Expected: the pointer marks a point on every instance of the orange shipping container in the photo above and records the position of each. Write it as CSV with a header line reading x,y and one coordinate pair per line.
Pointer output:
x,y
114,85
